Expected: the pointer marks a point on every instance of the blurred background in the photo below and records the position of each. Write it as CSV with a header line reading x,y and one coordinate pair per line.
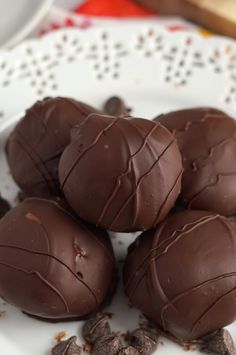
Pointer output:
x,y
30,18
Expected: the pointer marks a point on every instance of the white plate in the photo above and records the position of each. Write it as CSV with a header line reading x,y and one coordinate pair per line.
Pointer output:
x,y
154,70
19,18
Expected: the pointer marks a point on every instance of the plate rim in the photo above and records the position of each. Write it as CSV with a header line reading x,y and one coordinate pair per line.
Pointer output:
x,y
48,37
31,23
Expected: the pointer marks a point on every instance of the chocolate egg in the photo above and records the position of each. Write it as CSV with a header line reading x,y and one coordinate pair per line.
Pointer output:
x,y
182,274
121,174
207,140
37,142
51,264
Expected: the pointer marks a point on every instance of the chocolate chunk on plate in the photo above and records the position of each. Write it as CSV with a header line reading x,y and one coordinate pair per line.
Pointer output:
x,y
129,350
219,342
67,347
108,345
96,327
145,341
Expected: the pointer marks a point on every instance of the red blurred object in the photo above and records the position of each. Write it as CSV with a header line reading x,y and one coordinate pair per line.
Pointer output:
x,y
112,8
69,22
178,27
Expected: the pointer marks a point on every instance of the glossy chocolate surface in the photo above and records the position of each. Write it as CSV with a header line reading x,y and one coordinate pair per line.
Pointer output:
x,y
207,141
51,264
182,275
37,142
121,174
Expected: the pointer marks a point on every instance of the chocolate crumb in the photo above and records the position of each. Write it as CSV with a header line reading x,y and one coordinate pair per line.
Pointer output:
x,y
150,326
115,106
130,350
220,342
146,323
60,336
108,345
4,207
96,327
87,348
189,346
144,340
67,347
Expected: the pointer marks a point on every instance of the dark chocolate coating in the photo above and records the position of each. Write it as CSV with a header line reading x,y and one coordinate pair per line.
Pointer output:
x,y
4,207
115,106
121,174
51,264
207,141
37,142
183,274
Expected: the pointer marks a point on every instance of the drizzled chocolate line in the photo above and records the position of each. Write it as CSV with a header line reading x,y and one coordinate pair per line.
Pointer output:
x,y
130,152
155,157
190,290
125,173
56,259
33,111
37,166
44,131
175,234
140,180
170,241
42,166
56,156
60,261
136,203
46,282
83,226
151,267
172,300
80,109
168,196
211,151
109,126
210,185
210,308
191,123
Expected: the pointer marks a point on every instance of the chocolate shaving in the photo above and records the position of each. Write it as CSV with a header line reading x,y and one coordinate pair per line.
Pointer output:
x,y
67,347
130,350
96,327
108,345
219,342
144,340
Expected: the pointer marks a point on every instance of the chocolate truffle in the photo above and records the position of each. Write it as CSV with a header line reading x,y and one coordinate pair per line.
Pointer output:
x,y
37,142
207,141
182,275
121,174
52,265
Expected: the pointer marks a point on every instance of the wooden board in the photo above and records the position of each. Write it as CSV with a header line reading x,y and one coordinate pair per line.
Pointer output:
x,y
216,15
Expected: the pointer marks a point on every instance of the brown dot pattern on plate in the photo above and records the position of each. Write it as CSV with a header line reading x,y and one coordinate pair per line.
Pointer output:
x,y
149,43
181,59
106,57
